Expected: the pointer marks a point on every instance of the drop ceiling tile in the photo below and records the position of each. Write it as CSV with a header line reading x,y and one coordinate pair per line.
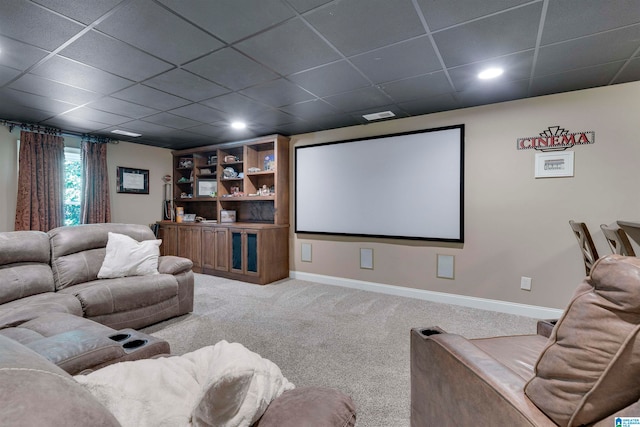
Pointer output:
x,y
583,78
334,122
230,68
234,104
232,20
7,74
49,89
124,108
30,23
36,102
417,87
493,92
516,67
588,51
359,99
186,85
19,55
114,56
85,11
139,126
310,109
630,73
21,113
153,29
171,120
430,105
442,14
567,19
149,97
97,116
277,93
74,124
207,130
274,118
277,49
303,6
75,74
198,112
405,59
358,26
498,35
330,79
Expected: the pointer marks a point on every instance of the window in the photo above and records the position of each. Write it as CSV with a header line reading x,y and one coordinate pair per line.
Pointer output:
x,y
72,185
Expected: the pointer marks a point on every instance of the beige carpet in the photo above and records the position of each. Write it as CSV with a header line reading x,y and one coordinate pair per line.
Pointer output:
x,y
352,340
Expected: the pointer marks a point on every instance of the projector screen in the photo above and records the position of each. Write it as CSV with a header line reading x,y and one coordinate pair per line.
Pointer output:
x,y
407,186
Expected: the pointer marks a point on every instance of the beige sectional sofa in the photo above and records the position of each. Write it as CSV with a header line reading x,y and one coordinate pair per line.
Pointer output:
x,y
58,272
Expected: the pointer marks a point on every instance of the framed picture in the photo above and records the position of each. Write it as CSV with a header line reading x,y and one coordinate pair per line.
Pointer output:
x,y
207,188
132,180
554,164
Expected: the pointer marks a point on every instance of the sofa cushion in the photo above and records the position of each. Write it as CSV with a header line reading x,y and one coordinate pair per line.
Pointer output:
x,y
24,265
106,296
77,252
590,367
128,257
35,392
17,312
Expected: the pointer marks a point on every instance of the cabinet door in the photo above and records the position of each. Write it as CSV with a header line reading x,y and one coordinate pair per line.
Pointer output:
x,y
169,236
221,250
190,244
209,248
244,251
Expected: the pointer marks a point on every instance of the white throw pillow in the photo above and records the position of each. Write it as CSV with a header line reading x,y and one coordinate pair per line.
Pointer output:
x,y
127,257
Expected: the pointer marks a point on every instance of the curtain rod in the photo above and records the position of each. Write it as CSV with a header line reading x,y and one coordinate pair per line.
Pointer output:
x,y
55,131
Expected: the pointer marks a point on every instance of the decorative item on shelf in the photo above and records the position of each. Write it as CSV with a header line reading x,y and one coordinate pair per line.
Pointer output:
x,y
254,170
231,159
227,216
184,180
235,189
241,175
205,171
189,218
179,214
185,195
229,173
185,163
269,162
212,160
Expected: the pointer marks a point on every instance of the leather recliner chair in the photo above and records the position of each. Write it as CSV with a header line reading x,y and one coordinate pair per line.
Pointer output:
x,y
585,373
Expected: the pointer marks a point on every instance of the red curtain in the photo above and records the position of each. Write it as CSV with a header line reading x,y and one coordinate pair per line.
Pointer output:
x,y
95,205
40,182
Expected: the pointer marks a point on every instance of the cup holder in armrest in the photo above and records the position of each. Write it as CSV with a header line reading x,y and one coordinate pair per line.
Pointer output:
x,y
427,332
120,337
133,344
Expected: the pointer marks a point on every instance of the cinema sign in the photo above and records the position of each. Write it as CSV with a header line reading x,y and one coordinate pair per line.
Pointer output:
x,y
556,138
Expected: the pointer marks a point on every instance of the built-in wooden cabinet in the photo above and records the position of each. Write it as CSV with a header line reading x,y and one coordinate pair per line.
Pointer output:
x,y
256,253
249,177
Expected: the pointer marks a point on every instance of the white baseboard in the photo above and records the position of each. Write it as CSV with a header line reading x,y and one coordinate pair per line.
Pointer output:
x,y
465,301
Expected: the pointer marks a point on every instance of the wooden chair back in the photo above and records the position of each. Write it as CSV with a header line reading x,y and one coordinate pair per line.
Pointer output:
x,y
618,240
588,249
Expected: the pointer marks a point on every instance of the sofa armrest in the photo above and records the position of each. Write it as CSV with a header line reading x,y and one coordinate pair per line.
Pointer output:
x,y
170,264
310,407
456,383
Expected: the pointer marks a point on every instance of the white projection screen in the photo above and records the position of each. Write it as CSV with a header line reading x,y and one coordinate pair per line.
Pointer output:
x,y
406,186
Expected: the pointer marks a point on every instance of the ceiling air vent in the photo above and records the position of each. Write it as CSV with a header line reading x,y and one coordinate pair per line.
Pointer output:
x,y
378,116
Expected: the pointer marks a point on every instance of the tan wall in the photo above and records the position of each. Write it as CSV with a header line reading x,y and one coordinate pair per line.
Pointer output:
x,y
515,225
126,208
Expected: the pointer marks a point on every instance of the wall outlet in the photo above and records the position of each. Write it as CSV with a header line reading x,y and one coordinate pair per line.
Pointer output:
x,y
525,283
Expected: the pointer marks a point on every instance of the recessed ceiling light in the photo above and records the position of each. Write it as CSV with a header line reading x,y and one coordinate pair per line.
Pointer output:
x,y
238,125
490,73
126,133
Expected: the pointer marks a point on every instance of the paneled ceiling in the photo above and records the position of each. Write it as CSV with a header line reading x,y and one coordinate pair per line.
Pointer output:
x,y
179,71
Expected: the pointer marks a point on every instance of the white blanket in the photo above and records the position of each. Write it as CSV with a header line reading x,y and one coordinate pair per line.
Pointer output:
x,y
221,385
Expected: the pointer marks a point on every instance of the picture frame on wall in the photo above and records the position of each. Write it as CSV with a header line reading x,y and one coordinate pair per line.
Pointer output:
x,y
554,164
132,180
